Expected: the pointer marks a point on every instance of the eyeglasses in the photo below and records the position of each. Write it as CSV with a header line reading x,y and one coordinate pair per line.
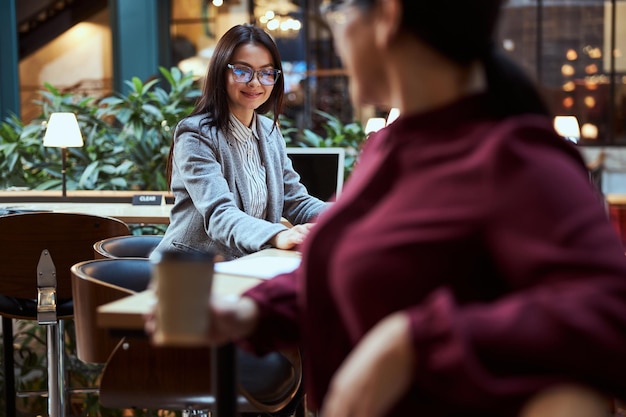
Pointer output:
x,y
243,74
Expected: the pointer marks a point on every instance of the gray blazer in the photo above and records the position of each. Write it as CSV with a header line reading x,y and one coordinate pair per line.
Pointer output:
x,y
210,192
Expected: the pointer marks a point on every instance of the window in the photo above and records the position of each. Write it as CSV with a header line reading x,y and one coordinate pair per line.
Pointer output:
x,y
565,45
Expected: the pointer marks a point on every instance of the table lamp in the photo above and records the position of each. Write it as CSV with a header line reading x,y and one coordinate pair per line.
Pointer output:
x,y
394,113
374,124
567,126
63,132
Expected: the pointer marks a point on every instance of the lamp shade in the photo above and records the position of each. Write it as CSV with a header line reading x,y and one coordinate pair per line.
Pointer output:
x,y
374,124
394,113
567,126
63,131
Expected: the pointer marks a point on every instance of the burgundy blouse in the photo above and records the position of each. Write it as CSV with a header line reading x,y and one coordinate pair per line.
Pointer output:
x,y
490,236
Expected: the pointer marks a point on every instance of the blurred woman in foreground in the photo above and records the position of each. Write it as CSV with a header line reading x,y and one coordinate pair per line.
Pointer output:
x,y
468,264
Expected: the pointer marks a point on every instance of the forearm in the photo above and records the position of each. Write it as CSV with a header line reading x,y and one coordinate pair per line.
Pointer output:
x,y
376,374
278,318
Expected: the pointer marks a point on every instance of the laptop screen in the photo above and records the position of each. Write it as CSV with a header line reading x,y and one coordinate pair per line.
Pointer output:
x,y
320,170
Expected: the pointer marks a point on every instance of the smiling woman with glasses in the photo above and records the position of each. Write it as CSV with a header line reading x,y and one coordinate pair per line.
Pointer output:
x,y
228,167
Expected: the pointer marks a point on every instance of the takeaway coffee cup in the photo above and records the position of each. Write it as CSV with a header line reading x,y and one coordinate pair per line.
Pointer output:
x,y
182,283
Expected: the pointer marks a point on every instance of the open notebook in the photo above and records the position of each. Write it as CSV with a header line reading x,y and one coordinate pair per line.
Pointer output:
x,y
263,267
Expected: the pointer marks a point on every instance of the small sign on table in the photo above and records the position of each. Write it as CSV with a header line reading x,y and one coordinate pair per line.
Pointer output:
x,y
147,200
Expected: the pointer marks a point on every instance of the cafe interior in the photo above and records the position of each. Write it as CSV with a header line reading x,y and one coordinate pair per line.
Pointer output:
x,y
575,50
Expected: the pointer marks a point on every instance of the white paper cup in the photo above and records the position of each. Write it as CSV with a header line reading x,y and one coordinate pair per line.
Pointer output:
x,y
182,283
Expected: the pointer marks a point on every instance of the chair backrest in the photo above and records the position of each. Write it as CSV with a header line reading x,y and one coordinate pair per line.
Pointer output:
x,y
142,375
69,238
98,282
133,246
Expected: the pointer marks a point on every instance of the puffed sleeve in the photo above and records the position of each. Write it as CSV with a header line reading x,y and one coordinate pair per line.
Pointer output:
x,y
564,316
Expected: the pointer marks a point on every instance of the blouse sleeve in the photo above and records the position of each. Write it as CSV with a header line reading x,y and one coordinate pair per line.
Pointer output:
x,y
564,315
278,325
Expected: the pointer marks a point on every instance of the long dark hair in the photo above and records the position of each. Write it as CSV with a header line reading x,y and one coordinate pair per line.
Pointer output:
x,y
214,98
467,35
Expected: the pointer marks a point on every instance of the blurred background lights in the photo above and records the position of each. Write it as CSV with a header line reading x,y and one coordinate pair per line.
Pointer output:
x,y
571,55
569,86
589,131
590,102
567,70
568,102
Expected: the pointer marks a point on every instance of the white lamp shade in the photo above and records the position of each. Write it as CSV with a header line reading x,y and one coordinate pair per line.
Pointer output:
x,y
567,126
374,124
63,131
393,115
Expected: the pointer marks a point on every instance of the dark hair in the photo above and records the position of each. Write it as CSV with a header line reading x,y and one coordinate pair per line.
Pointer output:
x,y
463,31
214,98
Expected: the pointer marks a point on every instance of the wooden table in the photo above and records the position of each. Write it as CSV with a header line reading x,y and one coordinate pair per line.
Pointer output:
x,y
127,316
128,313
116,204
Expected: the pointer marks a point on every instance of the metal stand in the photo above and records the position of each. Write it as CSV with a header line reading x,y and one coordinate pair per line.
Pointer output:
x,y
47,315
63,169
56,365
9,366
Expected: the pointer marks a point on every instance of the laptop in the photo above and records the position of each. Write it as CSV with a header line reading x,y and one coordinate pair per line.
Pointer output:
x,y
321,170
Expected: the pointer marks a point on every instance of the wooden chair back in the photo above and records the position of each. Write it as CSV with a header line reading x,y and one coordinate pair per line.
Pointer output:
x,y
141,375
120,278
69,237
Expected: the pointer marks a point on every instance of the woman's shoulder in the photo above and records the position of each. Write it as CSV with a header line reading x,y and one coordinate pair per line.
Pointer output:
x,y
530,130
528,142
201,121
197,125
522,122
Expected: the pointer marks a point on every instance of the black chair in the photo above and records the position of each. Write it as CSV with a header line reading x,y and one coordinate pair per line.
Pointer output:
x,y
37,250
133,246
140,375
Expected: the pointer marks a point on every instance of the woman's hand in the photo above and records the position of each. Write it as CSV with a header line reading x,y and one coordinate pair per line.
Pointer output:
x,y
292,237
376,374
231,319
